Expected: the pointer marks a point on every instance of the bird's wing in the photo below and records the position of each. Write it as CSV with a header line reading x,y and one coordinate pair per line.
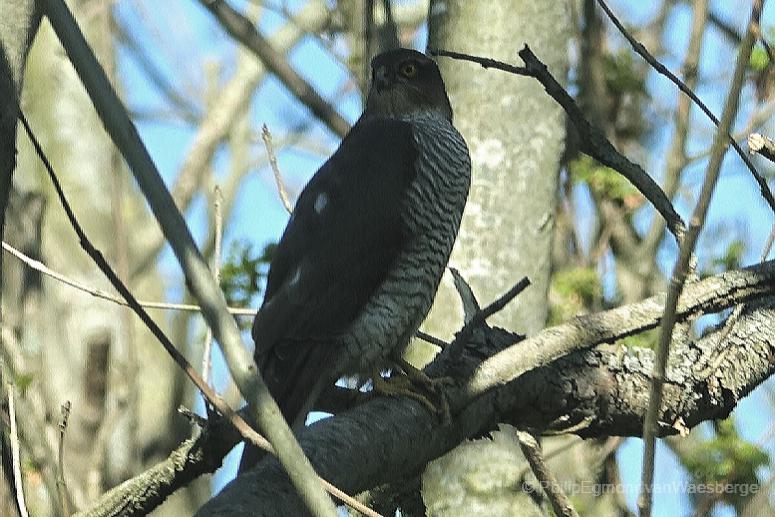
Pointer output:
x,y
343,236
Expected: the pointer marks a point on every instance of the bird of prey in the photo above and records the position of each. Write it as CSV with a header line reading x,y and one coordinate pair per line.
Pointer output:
x,y
358,265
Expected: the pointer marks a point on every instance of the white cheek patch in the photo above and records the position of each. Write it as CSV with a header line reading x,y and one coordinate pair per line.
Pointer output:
x,y
320,202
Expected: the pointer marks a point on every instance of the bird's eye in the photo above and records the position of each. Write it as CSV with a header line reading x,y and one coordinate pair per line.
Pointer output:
x,y
408,70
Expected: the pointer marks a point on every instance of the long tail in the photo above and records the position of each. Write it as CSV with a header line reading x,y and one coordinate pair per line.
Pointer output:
x,y
295,379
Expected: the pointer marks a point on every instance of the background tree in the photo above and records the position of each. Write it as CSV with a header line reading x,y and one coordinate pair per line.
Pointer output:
x,y
200,88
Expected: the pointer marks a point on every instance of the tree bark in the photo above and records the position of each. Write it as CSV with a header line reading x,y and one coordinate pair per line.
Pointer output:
x,y
590,393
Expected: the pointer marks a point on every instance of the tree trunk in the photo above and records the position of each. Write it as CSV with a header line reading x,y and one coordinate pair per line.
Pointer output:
x,y
516,136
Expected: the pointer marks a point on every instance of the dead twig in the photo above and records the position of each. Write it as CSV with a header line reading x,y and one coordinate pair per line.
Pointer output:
x,y
61,484
266,136
532,451
98,293
455,349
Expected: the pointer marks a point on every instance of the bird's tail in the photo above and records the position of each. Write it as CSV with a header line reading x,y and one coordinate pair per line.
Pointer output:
x,y
295,380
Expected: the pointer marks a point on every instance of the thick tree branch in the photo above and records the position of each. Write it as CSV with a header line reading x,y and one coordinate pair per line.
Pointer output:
x,y
707,296
600,392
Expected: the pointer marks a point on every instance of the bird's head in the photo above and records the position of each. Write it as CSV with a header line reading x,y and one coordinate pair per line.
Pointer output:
x,y
406,83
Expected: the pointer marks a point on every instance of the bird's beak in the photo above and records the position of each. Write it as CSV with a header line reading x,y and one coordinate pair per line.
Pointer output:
x,y
381,77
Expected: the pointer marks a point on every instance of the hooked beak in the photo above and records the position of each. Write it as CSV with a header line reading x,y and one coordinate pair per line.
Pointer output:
x,y
381,77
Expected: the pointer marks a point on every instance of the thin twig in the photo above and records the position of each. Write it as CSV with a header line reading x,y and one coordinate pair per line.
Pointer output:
x,y
433,340
592,141
663,70
15,454
532,451
98,293
266,136
681,267
61,485
218,216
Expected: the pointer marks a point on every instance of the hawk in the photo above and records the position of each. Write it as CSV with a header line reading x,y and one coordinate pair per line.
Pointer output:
x,y
358,265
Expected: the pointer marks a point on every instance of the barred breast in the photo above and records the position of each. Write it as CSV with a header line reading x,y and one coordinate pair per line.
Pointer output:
x,y
432,213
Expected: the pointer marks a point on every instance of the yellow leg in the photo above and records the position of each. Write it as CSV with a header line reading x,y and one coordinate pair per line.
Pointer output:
x,y
417,385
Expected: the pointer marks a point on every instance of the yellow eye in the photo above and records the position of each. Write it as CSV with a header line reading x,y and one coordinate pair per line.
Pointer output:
x,y
408,70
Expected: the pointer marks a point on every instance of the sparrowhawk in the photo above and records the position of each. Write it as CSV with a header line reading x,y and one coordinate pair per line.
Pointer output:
x,y
358,265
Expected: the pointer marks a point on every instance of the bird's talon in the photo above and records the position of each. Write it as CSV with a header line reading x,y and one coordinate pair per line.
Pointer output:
x,y
418,386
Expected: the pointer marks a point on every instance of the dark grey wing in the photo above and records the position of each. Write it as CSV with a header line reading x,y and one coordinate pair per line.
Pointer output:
x,y
343,236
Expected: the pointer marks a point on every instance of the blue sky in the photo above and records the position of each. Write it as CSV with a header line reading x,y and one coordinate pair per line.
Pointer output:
x,y
260,218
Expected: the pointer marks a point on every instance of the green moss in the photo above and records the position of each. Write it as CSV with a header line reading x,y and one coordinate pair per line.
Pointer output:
x,y
573,291
602,180
243,273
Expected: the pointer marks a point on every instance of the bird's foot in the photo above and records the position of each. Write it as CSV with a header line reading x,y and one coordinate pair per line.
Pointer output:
x,y
415,384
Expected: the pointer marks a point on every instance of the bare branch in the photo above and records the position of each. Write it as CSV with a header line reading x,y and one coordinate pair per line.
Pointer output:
x,y
676,157
15,455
